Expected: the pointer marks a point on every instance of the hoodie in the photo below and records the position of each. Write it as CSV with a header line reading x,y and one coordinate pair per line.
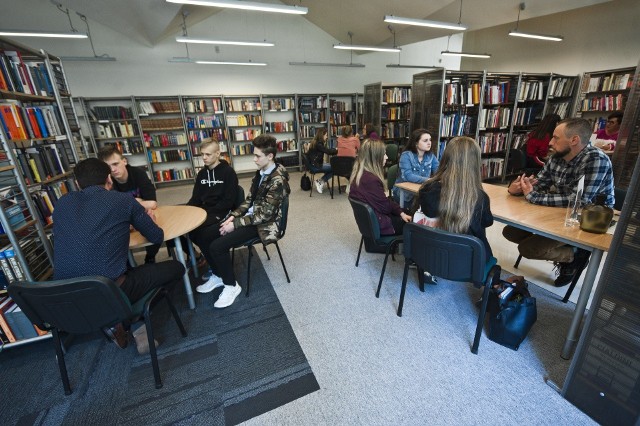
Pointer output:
x,y
215,191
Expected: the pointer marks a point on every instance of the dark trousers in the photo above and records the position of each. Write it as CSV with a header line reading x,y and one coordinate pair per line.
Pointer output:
x,y
203,236
152,250
141,279
398,224
219,256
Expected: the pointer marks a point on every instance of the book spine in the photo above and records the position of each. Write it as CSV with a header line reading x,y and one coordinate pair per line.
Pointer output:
x,y
6,268
16,267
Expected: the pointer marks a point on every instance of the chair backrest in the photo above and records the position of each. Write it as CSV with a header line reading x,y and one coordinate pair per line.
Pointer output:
x,y
392,153
78,306
455,257
284,215
517,161
620,195
306,161
239,197
392,175
342,166
366,220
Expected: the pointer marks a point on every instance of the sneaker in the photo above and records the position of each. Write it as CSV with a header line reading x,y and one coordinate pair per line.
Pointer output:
x,y
567,270
118,335
212,283
228,296
429,279
207,275
319,185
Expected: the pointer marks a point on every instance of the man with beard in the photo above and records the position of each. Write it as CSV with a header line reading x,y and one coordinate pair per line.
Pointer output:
x,y
572,158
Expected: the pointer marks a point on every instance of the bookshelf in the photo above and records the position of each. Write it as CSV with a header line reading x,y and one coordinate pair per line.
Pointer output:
x,y
312,114
342,111
279,113
204,118
603,92
161,122
561,95
244,123
388,108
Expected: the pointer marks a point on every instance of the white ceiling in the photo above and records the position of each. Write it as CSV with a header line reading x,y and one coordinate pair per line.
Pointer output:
x,y
151,21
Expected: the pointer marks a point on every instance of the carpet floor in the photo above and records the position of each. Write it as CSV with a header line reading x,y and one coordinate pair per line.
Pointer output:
x,y
235,364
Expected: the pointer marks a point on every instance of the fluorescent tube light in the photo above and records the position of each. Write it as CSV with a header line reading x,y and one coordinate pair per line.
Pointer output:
x,y
246,5
411,66
424,23
536,36
88,58
258,64
466,54
183,39
181,59
371,48
50,34
326,64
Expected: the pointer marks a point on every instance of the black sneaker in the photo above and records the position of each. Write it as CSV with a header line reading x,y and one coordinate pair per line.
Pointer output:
x,y
568,270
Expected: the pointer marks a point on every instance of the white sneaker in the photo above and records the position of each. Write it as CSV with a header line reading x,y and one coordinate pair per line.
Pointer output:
x,y
228,296
319,185
212,283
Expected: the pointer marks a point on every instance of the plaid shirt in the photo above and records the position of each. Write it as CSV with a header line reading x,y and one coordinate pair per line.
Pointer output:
x,y
559,179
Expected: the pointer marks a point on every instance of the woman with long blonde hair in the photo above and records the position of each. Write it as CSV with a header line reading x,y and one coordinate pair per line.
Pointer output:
x,y
367,185
454,195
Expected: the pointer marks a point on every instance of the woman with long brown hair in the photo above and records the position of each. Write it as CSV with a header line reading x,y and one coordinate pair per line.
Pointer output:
x,y
316,152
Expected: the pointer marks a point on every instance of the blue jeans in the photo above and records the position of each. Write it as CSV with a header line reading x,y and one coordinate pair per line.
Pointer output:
x,y
326,169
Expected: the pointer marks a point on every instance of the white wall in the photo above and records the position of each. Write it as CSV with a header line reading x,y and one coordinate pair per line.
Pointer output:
x,y
600,37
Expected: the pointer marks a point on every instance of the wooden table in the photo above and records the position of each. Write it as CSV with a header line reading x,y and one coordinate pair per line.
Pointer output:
x,y
176,221
548,222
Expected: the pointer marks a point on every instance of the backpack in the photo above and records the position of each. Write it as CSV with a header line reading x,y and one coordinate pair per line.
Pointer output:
x,y
305,182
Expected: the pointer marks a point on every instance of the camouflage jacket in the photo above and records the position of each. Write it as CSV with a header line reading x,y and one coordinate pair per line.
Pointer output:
x,y
266,199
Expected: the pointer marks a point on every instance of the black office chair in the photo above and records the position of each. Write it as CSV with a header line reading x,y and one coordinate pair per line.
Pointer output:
x,y
391,149
284,214
340,167
392,175
369,227
454,257
307,165
85,305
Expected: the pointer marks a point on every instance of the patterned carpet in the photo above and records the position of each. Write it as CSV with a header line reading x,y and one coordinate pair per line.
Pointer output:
x,y
236,363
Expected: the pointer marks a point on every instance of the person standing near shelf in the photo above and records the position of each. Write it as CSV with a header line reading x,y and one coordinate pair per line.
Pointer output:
x,y
606,138
538,141
134,181
317,150
417,163
348,144
91,237
572,158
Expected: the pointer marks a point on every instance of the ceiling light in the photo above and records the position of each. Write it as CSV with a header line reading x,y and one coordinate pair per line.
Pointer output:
x,y
466,54
410,66
105,58
326,64
246,5
181,59
371,48
259,64
517,33
424,23
51,34
182,39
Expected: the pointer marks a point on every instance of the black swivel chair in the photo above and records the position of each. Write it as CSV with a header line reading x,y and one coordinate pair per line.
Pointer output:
x,y
340,167
309,169
284,211
86,305
454,257
369,227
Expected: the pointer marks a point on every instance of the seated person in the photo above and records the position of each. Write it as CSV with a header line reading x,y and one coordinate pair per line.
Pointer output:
x,y
134,181
91,229
454,195
417,163
606,138
258,216
368,186
348,144
316,152
572,158
538,141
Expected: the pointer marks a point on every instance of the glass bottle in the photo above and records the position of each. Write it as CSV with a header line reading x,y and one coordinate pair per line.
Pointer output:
x,y
596,217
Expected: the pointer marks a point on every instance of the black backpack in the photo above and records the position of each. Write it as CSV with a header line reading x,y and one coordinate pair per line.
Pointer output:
x,y
305,182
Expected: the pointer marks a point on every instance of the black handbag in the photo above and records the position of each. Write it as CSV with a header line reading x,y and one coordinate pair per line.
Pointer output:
x,y
305,182
512,314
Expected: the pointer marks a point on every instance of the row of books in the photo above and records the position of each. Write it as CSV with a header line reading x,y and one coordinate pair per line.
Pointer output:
x,y
308,131
195,149
242,104
128,147
527,116
342,118
34,254
122,129
456,125
605,83
496,117
319,102
42,162
280,104
519,140
46,197
396,95
14,324
35,121
161,123
205,121
396,113
462,93
493,142
172,175
200,105
287,145
160,107
497,93
491,167
312,117
199,135
166,139
531,91
395,130
110,113
168,155
198,162
336,129
245,134
335,105
599,124
17,75
244,120
560,108
603,103
562,87
279,126
242,149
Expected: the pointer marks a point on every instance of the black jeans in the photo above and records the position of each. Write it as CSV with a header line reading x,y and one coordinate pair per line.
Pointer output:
x,y
219,256
141,279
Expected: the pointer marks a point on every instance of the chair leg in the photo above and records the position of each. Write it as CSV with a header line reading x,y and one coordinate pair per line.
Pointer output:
x,y
574,281
174,312
384,267
153,353
282,261
233,256
420,278
359,250
339,190
492,277
405,274
264,248
61,364
331,189
515,265
249,272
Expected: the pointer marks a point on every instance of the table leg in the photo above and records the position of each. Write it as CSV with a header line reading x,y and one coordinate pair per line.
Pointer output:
x,y
187,283
132,260
402,197
581,305
192,255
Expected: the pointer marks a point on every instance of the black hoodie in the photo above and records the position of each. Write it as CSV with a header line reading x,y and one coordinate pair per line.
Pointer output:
x,y
215,191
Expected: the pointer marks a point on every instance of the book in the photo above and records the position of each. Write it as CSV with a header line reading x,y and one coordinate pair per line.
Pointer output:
x,y
6,268
19,323
16,267
6,304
